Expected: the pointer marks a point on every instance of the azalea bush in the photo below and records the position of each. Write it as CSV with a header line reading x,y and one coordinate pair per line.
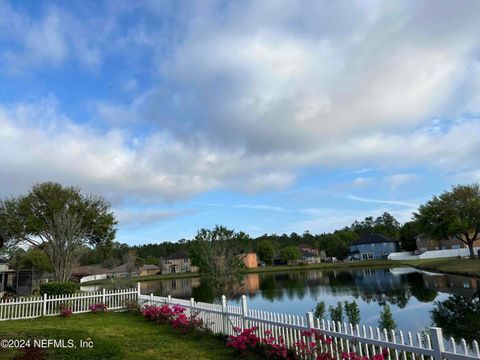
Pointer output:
x,y
175,316
312,345
66,312
99,307
268,346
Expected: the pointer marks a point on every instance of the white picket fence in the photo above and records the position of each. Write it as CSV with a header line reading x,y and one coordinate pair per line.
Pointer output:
x,y
32,307
365,341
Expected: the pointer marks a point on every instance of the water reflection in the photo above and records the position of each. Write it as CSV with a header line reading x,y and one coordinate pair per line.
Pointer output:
x,y
459,316
410,293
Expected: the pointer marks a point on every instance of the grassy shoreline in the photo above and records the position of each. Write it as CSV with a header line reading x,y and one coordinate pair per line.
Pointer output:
x,y
455,266
112,335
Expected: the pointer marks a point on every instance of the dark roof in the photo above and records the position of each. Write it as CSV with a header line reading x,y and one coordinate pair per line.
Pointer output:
x,y
373,239
177,255
3,261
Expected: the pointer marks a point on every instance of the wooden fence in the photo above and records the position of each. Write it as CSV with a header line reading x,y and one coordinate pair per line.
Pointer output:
x,y
365,341
32,307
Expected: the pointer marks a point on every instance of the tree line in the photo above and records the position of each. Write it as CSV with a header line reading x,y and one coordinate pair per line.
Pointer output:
x,y
54,228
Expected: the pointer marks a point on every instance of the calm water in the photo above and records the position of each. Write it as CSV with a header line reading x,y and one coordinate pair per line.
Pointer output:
x,y
411,294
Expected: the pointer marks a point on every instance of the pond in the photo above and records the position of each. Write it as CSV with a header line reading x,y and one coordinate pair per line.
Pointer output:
x,y
410,293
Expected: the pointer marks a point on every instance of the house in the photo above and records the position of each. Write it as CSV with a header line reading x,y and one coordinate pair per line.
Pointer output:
x,y
123,270
250,260
178,262
309,255
373,246
426,244
149,269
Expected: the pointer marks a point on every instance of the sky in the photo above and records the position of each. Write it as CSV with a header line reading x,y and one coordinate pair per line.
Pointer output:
x,y
263,116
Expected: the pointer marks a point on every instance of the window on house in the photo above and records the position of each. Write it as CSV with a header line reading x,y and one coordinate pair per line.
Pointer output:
x,y
185,260
455,246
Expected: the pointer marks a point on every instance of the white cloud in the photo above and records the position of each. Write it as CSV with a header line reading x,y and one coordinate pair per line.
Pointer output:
x,y
115,163
248,94
128,218
408,204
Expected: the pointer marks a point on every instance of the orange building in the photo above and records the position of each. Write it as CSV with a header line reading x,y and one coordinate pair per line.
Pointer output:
x,y
250,260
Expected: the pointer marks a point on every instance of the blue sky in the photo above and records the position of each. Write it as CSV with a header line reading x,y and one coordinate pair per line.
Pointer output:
x,y
264,116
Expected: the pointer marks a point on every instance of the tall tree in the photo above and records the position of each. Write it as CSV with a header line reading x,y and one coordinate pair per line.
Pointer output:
x,y
454,213
36,260
408,235
290,253
58,221
265,251
3,239
218,254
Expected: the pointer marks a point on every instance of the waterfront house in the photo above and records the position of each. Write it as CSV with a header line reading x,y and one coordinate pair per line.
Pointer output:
x,y
309,255
427,244
250,260
125,270
373,246
178,262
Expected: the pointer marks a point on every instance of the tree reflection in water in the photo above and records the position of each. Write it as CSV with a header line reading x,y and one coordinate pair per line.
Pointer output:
x,y
459,316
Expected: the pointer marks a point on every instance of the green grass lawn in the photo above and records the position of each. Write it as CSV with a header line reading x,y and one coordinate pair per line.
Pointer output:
x,y
338,265
448,265
114,336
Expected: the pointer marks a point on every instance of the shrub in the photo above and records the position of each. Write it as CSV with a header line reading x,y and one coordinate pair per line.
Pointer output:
x,y
66,312
99,307
336,313
58,288
320,310
353,312
175,315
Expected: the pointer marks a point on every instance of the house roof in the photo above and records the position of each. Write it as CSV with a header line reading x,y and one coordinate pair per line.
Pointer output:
x,y
372,238
150,267
3,261
124,268
177,255
307,254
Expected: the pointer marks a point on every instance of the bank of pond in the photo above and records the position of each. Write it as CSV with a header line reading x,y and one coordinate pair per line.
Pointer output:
x,y
417,299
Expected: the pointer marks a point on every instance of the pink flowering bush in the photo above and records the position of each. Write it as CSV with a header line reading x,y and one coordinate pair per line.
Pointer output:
x,y
66,312
99,307
312,345
267,346
174,315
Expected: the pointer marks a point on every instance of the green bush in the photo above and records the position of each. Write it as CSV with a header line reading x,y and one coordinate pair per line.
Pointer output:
x,y
58,288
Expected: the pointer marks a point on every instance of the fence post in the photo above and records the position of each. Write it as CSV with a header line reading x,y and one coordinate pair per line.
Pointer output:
x,y
44,304
438,346
310,324
138,290
244,312
169,299
192,306
151,299
224,315
103,296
